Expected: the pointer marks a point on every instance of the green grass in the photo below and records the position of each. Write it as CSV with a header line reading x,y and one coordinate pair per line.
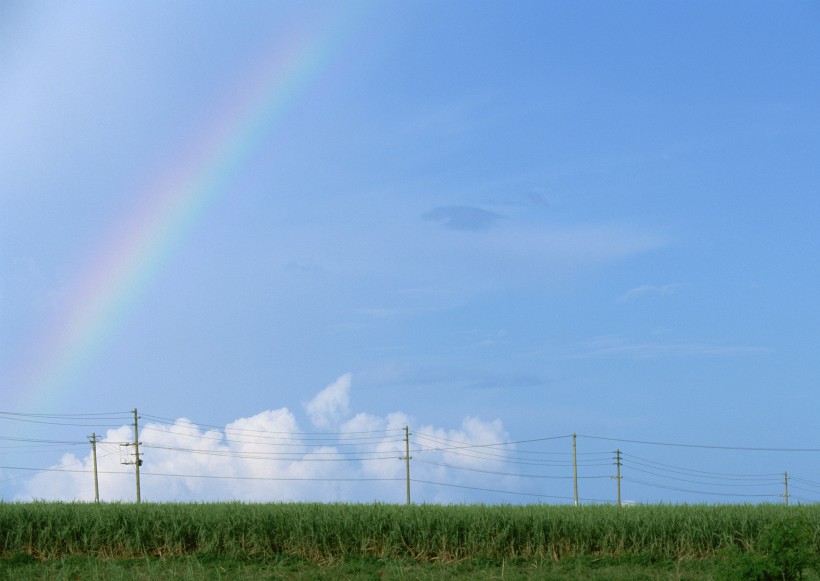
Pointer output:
x,y
295,541
198,568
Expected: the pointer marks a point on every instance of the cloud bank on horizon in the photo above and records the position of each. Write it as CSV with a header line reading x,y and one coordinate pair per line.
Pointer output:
x,y
270,457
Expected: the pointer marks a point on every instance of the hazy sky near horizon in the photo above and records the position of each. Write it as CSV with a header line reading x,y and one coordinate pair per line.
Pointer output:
x,y
500,221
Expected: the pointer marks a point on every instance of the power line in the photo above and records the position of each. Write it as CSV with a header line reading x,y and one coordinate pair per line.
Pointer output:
x,y
503,458
489,489
75,424
808,482
772,483
721,475
61,470
111,415
37,441
495,444
41,469
273,478
208,476
278,440
709,493
805,489
479,449
278,456
225,429
469,469
704,446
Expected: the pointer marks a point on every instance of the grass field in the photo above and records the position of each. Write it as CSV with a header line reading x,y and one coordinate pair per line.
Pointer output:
x,y
310,541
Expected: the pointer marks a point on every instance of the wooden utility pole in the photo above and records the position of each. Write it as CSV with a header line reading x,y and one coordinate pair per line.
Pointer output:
x,y
617,477
93,439
574,470
137,460
407,460
786,482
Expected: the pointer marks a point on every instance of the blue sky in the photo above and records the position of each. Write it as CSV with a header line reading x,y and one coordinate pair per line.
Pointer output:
x,y
503,223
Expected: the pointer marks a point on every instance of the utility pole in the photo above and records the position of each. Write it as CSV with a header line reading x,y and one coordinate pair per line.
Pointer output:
x,y
406,459
137,460
617,477
574,470
93,439
786,482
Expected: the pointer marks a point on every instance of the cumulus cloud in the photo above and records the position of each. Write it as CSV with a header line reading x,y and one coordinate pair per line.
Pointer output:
x,y
270,457
330,404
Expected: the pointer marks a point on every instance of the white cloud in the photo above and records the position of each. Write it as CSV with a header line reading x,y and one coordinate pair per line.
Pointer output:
x,y
269,457
330,404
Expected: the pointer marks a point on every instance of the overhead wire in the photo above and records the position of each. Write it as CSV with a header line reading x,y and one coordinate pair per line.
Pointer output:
x,y
803,489
705,474
470,469
485,450
804,481
225,429
691,491
272,478
73,424
489,489
488,445
277,440
278,456
471,452
32,448
758,484
112,415
64,469
692,476
704,446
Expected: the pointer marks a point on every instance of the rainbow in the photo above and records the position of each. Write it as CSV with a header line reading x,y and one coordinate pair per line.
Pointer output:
x,y
169,207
